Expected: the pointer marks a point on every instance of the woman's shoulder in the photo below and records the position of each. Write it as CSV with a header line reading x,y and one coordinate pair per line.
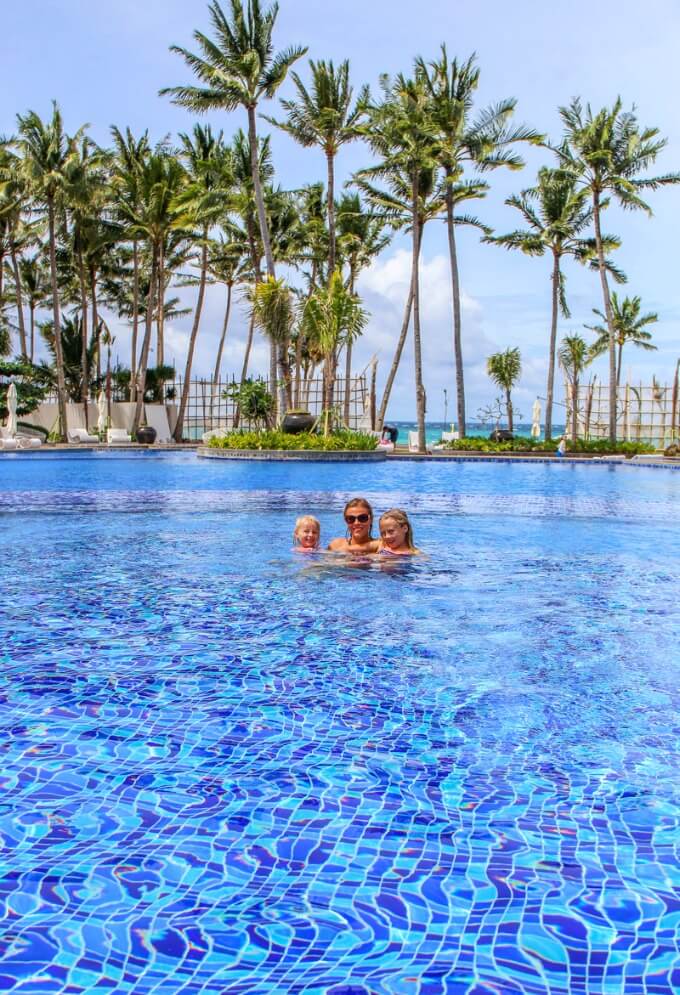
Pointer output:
x,y
339,543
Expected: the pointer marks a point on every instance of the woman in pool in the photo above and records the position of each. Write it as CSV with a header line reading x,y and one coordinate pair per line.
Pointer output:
x,y
358,516
396,534
306,534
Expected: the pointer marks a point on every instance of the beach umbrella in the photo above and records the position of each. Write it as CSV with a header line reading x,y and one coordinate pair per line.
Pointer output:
x,y
101,408
12,407
536,420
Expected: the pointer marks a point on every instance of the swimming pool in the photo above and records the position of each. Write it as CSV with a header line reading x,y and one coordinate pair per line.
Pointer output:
x,y
226,769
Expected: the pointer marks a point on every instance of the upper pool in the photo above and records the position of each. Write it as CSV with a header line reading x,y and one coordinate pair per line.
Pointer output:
x,y
226,768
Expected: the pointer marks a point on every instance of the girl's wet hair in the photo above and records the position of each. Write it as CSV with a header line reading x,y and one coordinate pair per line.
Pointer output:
x,y
306,520
401,518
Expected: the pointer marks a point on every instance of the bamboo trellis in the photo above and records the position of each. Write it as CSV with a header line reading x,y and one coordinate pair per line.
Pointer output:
x,y
644,413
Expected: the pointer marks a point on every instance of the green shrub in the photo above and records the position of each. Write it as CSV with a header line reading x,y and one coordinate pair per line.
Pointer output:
x,y
275,439
521,444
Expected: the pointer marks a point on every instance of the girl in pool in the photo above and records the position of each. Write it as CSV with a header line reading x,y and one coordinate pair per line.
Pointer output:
x,y
306,534
396,534
358,516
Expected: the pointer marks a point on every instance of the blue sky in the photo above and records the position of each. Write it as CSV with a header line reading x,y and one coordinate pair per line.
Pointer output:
x,y
105,63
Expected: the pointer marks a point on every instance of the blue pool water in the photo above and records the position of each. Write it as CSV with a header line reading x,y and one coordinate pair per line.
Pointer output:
x,y
226,768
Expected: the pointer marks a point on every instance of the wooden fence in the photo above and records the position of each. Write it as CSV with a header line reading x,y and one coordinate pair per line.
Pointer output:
x,y
644,413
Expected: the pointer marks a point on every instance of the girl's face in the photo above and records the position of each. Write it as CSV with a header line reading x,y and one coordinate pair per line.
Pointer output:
x,y
392,533
358,520
308,535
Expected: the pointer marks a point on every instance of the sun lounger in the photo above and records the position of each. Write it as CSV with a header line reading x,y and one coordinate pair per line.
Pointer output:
x,y
29,441
78,435
8,443
117,437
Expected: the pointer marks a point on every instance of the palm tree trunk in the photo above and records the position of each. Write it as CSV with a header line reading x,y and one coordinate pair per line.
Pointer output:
x,y
609,315
192,340
397,358
19,301
457,323
574,411
273,381
84,365
56,321
135,320
31,310
331,213
415,279
96,330
220,348
508,404
160,311
348,374
146,344
259,197
553,346
618,365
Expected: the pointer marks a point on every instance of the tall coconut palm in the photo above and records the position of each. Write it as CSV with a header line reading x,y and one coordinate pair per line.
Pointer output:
x,y
324,116
574,356
629,327
228,264
362,236
36,286
505,369
204,200
238,68
130,153
47,151
17,232
399,130
607,151
330,316
557,214
484,142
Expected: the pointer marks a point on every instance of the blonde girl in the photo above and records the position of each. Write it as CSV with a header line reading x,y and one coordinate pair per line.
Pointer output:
x,y
306,534
396,534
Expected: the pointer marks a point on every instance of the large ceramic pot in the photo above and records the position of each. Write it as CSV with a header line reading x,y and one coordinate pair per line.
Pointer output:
x,y
147,435
297,421
501,435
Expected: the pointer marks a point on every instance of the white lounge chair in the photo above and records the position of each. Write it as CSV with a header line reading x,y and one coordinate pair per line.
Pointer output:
x,y
9,443
78,435
18,441
413,443
29,442
117,437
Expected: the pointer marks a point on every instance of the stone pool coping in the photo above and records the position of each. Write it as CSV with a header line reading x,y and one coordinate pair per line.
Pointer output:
x,y
303,455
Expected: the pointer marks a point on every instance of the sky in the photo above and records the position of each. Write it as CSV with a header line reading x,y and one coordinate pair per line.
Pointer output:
x,y
105,63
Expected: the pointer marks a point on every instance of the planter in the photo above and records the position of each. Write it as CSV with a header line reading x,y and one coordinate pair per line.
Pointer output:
x,y
501,435
146,436
297,421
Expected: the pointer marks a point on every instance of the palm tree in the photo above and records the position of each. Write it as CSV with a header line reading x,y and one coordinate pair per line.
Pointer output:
x,y
574,356
505,369
237,69
130,155
203,201
36,286
325,117
629,326
362,237
399,130
71,350
274,314
485,143
557,213
228,264
607,151
47,152
16,231
330,316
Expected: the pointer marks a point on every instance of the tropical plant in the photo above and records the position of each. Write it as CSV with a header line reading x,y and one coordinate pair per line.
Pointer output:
x,y
274,315
324,116
36,286
505,369
254,401
573,356
238,69
557,213
607,151
33,383
484,143
338,441
629,327
71,335
46,154
331,317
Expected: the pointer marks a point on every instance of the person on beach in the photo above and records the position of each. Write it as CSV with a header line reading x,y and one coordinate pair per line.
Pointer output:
x,y
396,534
307,534
358,516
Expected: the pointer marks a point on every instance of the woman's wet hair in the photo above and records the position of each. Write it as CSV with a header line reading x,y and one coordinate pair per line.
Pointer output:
x,y
401,518
359,502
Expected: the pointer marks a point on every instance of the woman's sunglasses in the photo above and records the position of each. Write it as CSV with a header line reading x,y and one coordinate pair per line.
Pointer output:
x,y
351,519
